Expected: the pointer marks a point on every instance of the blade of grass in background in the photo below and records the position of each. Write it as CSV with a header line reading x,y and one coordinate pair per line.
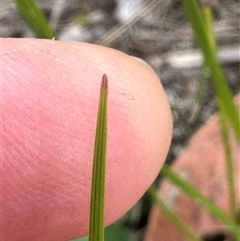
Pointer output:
x,y
208,20
200,93
204,201
96,224
224,96
179,224
35,19
229,166
209,25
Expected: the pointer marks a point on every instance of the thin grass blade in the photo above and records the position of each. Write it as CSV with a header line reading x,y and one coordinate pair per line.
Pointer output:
x,y
204,201
200,93
35,19
229,166
208,20
96,225
173,217
206,44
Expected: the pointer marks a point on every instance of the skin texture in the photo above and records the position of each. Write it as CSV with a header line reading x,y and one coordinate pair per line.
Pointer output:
x,y
50,94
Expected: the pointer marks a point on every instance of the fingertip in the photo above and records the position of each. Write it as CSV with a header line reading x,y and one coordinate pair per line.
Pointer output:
x,y
50,101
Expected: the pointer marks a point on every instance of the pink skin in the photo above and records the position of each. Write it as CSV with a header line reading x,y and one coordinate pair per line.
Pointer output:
x,y
50,93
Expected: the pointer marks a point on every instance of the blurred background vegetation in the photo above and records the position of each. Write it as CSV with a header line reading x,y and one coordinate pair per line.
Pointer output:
x,y
157,31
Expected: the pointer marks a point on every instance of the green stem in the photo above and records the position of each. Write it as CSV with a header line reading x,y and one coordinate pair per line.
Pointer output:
x,y
229,165
96,225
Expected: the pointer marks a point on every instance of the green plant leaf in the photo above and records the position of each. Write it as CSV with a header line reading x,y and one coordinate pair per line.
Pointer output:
x,y
81,239
229,165
227,109
96,225
35,19
208,20
208,48
204,201
200,93
209,25
116,232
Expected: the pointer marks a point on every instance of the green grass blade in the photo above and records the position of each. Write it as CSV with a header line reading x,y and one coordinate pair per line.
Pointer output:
x,y
224,96
173,217
200,92
207,17
35,19
204,201
209,30
96,225
209,26
229,165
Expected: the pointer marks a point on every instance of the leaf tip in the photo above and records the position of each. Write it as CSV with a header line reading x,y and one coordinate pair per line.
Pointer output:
x,y
104,84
